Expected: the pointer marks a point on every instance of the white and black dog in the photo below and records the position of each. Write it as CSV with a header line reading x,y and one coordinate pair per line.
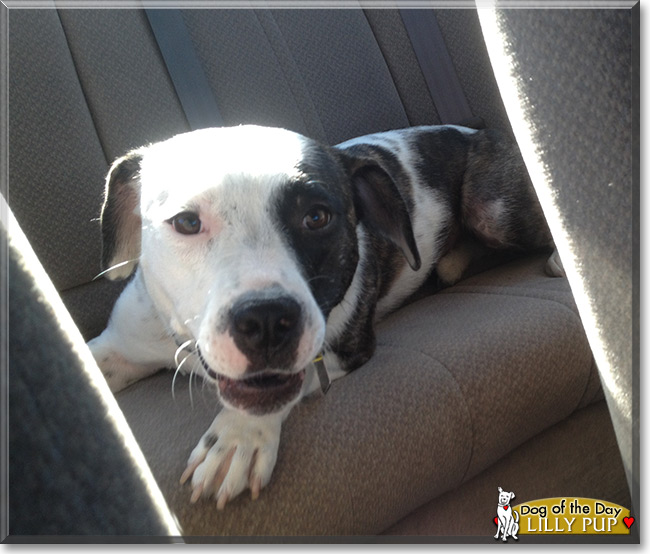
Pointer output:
x,y
257,249
507,520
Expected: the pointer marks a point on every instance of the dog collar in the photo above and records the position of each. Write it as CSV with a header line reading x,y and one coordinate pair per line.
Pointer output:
x,y
321,371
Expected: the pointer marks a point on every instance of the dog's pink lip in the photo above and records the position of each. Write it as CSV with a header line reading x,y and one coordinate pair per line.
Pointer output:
x,y
261,393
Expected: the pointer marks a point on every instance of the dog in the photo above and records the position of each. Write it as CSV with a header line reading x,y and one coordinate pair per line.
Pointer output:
x,y
507,520
255,251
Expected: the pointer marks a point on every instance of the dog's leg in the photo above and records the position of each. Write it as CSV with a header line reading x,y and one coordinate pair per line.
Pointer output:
x,y
135,343
499,203
514,530
238,451
452,265
514,527
463,256
498,528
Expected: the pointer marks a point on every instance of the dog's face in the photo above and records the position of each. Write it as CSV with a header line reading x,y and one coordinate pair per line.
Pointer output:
x,y
246,238
505,497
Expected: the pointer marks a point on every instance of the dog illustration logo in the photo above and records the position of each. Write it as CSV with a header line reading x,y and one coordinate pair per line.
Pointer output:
x,y
507,520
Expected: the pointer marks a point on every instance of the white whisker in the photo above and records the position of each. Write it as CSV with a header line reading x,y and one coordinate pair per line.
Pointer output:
x,y
190,387
179,350
179,364
116,266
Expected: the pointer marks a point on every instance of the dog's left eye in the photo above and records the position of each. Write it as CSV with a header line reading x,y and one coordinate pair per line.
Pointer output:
x,y
186,223
317,218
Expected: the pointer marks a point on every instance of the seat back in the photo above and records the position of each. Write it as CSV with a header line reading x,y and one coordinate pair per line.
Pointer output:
x,y
88,85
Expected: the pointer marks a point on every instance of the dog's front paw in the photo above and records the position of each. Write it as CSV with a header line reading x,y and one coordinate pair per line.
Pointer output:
x,y
238,451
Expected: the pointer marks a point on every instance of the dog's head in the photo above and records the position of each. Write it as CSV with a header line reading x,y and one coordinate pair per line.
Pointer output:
x,y
505,497
247,238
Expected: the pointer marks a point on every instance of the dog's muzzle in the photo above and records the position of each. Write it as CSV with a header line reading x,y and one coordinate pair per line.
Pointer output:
x,y
266,328
260,394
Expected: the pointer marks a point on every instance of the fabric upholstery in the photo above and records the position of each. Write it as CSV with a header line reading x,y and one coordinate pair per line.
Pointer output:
x,y
534,470
248,56
462,33
56,162
506,346
129,94
396,48
72,470
577,77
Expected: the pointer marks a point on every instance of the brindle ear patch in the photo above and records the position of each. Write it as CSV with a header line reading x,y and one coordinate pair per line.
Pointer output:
x,y
381,207
120,219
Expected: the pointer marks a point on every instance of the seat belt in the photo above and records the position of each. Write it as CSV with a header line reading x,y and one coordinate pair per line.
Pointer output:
x,y
438,68
187,75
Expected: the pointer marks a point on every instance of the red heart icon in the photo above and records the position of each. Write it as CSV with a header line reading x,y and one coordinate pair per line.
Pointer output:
x,y
506,507
496,521
628,521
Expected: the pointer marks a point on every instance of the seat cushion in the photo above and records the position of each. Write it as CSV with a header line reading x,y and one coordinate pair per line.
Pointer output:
x,y
459,379
551,464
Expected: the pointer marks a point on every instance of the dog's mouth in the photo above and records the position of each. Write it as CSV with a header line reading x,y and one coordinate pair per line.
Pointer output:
x,y
259,394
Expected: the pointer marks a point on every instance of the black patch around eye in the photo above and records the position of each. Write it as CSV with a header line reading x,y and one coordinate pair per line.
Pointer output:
x,y
321,231
186,223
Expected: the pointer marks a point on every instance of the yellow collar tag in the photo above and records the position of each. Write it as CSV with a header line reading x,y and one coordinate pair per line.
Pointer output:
x,y
321,371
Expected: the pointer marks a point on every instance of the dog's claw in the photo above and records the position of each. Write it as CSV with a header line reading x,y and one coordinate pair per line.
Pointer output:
x,y
196,459
189,470
222,500
256,486
196,493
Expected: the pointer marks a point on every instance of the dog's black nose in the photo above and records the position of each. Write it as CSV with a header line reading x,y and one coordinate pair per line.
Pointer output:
x,y
267,330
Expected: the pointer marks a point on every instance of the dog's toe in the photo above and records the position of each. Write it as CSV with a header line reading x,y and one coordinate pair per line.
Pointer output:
x,y
195,460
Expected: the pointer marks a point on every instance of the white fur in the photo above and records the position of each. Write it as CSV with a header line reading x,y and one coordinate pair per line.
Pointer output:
x,y
145,343
185,284
464,130
255,441
236,251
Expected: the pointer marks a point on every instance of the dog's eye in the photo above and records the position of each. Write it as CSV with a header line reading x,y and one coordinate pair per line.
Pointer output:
x,y
186,223
317,218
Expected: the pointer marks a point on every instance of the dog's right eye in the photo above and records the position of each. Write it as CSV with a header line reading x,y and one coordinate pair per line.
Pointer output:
x,y
186,223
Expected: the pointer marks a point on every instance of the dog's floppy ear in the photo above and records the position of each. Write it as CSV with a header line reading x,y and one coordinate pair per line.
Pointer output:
x,y
121,221
380,206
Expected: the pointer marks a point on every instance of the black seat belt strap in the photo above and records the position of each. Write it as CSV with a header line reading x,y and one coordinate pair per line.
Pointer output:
x,y
184,67
437,67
